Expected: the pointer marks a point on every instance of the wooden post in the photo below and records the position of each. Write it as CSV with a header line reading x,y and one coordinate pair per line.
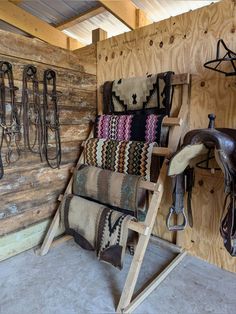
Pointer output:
x,y
98,35
141,19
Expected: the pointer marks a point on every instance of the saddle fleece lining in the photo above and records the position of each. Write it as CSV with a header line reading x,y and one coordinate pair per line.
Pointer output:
x,y
184,157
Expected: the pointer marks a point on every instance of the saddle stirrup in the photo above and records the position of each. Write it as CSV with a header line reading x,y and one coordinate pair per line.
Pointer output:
x,y
176,227
177,207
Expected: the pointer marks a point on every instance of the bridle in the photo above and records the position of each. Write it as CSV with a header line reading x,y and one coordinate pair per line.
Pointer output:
x,y
51,120
9,119
32,112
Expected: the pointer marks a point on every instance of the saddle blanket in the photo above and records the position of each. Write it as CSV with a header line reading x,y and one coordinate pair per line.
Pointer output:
x,y
129,157
136,127
110,188
97,228
152,92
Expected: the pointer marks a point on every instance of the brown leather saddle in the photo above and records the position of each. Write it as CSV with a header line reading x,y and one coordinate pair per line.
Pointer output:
x,y
196,143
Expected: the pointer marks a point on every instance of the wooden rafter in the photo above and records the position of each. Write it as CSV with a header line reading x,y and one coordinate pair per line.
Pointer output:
x,y
16,1
80,18
126,12
14,15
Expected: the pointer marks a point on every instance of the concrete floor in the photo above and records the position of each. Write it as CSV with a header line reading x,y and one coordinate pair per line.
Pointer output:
x,y
70,280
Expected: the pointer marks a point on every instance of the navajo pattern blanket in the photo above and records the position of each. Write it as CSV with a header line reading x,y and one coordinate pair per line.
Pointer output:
x,y
97,228
136,127
127,157
110,188
152,93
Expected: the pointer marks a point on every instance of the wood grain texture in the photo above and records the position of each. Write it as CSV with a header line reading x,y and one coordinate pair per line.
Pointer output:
x,y
25,239
28,49
87,57
30,189
183,44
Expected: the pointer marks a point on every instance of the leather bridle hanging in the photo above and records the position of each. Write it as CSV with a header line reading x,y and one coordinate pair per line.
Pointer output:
x,y
32,112
9,119
51,120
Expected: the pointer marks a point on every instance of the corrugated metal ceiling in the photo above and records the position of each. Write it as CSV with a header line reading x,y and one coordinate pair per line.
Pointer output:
x,y
58,11
158,10
9,28
83,31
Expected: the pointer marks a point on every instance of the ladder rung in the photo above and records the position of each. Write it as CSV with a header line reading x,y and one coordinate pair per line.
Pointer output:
x,y
60,197
161,151
169,121
138,227
180,79
148,185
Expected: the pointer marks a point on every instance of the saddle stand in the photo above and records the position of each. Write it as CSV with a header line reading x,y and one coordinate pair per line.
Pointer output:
x,y
177,128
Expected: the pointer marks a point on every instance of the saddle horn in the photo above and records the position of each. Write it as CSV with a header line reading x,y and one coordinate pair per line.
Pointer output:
x,y
211,118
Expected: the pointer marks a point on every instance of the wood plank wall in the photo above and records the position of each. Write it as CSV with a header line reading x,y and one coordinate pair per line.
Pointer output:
x,y
182,44
29,189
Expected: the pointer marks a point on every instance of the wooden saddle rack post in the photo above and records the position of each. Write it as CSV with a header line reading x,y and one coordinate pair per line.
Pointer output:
x,y
177,127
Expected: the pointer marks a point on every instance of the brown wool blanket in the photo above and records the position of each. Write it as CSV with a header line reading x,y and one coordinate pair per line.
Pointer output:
x,y
110,188
97,227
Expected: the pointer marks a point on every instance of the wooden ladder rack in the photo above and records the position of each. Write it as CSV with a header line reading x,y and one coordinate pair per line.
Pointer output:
x,y
177,125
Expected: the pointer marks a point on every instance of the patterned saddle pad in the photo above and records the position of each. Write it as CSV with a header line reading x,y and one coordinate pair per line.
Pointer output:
x,y
97,228
121,191
127,157
134,127
151,92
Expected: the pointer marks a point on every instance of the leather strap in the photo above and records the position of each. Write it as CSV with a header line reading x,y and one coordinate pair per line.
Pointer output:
x,y
228,227
32,115
9,122
190,178
51,119
177,208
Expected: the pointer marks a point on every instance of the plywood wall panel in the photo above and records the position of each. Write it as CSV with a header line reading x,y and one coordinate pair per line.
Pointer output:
x,y
183,44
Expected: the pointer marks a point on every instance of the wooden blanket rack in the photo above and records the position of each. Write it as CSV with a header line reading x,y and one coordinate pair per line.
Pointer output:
x,y
177,127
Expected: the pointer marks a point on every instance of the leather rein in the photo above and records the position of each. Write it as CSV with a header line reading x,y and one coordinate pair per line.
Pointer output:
x,y
32,113
52,141
9,116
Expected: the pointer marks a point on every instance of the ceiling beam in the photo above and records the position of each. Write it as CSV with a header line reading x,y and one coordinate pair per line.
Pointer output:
x,y
16,1
126,12
80,18
32,25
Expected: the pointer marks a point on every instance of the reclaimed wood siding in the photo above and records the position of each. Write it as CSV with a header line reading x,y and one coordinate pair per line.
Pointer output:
x,y
29,189
183,44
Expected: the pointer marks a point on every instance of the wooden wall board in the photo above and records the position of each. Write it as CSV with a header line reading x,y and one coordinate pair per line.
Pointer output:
x,y
30,189
29,49
87,56
183,44
27,218
23,240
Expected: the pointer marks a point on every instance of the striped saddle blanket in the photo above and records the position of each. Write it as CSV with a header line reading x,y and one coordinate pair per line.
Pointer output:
x,y
134,127
129,157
